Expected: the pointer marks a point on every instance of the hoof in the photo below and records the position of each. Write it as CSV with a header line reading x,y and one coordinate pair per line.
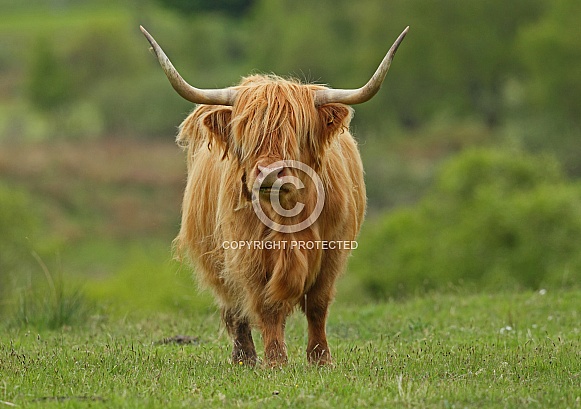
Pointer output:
x,y
320,356
240,358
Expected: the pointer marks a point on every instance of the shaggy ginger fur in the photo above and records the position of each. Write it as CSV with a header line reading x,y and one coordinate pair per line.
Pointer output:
x,y
272,119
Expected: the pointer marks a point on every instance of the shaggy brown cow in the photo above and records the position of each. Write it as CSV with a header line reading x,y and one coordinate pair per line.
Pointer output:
x,y
264,231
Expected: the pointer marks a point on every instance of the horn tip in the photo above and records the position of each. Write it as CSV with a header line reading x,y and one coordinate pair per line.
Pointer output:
x,y
146,34
404,32
150,39
399,39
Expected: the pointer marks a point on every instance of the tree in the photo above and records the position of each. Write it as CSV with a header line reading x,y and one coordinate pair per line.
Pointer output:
x,y
551,51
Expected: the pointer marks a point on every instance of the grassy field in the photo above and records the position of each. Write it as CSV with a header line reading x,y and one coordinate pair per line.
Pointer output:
x,y
439,351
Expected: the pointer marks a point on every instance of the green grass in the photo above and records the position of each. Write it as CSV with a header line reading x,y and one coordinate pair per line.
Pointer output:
x,y
440,351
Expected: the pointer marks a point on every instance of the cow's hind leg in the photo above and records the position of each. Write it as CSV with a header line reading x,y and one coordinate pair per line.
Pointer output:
x,y
243,350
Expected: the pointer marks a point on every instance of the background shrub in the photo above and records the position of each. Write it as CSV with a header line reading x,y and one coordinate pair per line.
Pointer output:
x,y
18,225
493,219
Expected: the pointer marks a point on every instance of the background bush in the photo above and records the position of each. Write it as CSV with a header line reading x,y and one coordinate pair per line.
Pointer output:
x,y
17,223
18,226
494,219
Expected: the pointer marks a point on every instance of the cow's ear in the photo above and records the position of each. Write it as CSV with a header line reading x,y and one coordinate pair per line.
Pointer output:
x,y
217,121
334,118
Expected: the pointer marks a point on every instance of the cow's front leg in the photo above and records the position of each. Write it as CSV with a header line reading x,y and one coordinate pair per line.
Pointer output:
x,y
243,350
272,325
315,305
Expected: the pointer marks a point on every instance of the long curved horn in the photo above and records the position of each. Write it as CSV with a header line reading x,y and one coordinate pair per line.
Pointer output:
x,y
365,93
224,96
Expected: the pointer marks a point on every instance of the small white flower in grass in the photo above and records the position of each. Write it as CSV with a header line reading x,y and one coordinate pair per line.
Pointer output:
x,y
508,328
542,291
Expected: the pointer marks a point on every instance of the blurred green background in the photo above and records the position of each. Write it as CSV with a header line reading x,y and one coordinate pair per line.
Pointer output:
x,y
471,148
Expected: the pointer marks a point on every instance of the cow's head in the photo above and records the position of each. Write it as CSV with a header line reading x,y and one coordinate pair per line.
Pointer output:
x,y
272,122
267,120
